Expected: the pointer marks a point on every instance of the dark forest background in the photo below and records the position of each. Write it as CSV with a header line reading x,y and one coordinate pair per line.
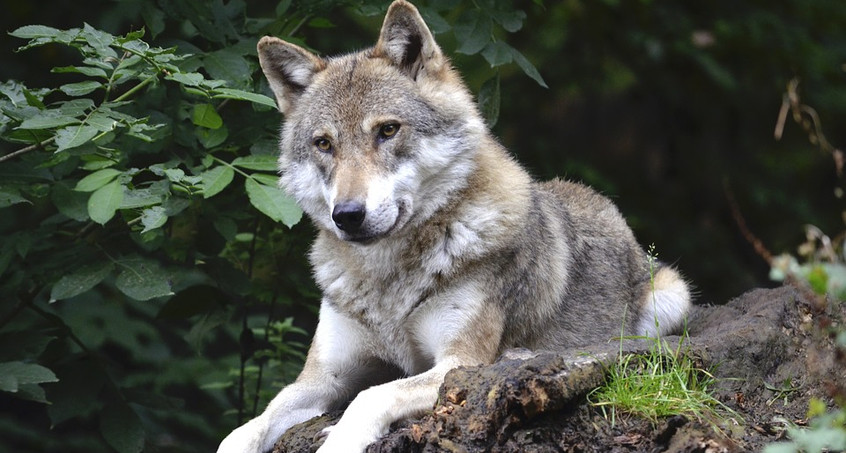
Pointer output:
x,y
669,108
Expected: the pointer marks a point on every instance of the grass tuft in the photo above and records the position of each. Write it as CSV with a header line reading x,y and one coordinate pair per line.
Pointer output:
x,y
658,384
661,383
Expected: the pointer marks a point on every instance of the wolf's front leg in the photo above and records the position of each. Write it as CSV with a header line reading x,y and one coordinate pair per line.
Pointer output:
x,y
336,368
456,335
371,413
296,403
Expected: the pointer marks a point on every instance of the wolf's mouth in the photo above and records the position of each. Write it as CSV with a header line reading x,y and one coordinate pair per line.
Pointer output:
x,y
366,239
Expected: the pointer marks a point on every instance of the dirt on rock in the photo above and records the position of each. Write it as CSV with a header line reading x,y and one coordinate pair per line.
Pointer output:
x,y
768,350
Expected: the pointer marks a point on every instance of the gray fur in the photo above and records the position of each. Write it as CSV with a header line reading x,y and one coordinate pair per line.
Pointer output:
x,y
455,254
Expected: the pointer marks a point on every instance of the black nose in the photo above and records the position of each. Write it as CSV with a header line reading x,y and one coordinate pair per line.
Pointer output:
x,y
348,215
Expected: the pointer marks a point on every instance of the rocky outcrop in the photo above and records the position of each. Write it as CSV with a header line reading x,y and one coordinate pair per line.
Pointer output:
x,y
764,347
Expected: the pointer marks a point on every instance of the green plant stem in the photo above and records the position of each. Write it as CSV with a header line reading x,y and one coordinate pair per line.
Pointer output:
x,y
299,25
136,88
234,168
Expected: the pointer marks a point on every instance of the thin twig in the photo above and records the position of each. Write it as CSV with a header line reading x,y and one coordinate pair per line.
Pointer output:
x,y
29,148
756,243
244,327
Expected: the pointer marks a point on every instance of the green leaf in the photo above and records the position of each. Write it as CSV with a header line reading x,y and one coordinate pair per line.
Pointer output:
x,y
21,344
216,179
511,21
206,116
80,88
226,227
80,280
102,121
435,21
99,40
73,136
192,79
527,67
266,179
105,201
10,196
90,71
76,107
34,100
230,93
32,392
174,174
122,428
48,119
153,218
141,198
97,180
320,22
71,203
211,138
143,279
818,279
489,100
261,162
15,374
282,7
473,31
35,31
154,18
497,54
228,65
273,202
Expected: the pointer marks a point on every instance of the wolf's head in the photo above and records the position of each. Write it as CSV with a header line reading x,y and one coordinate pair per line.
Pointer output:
x,y
376,140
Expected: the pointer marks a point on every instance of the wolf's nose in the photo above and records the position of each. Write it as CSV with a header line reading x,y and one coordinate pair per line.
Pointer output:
x,y
348,215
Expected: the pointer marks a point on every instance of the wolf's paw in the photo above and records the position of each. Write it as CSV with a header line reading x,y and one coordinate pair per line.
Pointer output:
x,y
343,441
323,434
245,439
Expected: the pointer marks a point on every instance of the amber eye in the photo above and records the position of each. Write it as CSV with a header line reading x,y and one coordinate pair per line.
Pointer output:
x,y
323,144
388,130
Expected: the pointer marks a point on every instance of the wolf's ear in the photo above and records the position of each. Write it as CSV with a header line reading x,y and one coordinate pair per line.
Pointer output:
x,y
289,69
406,41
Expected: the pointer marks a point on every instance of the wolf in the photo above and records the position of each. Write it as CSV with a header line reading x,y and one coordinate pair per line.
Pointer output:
x,y
435,249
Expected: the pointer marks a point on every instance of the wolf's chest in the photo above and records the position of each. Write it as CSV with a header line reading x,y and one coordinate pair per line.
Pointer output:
x,y
384,305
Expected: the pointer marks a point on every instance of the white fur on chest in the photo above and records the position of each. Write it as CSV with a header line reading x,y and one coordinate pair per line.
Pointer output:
x,y
406,315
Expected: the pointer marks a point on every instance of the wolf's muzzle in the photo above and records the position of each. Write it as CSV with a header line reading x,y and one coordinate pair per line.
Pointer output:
x,y
348,216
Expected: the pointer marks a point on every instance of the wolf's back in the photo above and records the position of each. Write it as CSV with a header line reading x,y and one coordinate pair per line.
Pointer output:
x,y
584,275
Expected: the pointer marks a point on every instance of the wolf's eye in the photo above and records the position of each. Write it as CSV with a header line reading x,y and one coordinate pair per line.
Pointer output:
x,y
388,130
323,144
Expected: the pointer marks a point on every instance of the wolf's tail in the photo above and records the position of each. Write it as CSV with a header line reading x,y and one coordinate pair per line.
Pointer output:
x,y
665,304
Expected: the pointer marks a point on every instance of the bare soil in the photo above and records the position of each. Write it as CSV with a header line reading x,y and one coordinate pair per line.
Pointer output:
x,y
769,349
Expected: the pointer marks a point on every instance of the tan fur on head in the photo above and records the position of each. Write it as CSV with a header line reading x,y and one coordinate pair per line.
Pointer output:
x,y
289,69
406,41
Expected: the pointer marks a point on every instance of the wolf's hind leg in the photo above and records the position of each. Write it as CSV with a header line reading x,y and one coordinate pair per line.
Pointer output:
x,y
664,305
